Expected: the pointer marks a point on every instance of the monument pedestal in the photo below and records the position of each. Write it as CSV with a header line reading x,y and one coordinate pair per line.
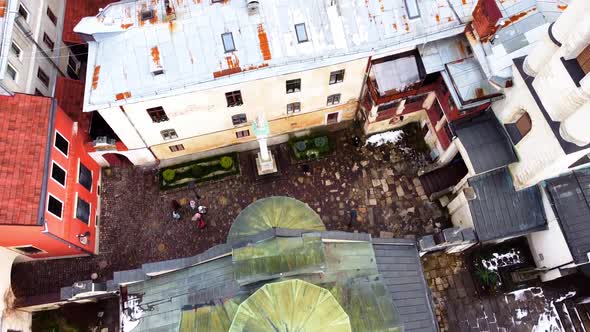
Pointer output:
x,y
266,166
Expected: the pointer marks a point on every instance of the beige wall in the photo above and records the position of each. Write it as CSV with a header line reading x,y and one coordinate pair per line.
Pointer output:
x,y
203,122
31,58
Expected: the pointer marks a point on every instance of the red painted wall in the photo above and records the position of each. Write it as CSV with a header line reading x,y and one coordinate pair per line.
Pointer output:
x,y
19,235
69,226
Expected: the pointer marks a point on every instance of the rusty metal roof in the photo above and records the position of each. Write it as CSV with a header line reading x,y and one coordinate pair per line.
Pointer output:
x,y
188,39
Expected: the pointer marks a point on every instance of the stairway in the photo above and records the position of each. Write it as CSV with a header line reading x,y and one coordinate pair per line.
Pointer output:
x,y
443,177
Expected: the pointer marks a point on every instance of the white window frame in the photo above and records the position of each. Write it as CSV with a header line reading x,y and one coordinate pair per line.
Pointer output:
x,y
78,176
62,207
53,164
15,249
15,72
55,140
89,211
20,55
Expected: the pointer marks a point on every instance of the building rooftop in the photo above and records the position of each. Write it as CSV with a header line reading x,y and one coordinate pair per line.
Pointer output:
x,y
570,195
486,143
186,41
499,211
75,11
24,123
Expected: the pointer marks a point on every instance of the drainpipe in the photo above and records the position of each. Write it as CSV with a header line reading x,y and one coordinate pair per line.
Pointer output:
x,y
29,35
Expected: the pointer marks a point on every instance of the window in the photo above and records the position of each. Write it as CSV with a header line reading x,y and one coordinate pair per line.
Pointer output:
x,y
48,41
168,134
520,128
333,99
157,114
58,174
16,50
293,85
55,206
147,14
177,147
228,42
239,119
51,16
43,77
28,250
584,60
337,76
85,177
301,32
23,12
332,118
386,107
83,210
61,143
242,133
293,108
11,72
412,8
38,93
234,98
73,67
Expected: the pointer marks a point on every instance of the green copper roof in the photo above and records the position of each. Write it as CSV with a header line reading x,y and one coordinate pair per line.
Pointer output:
x,y
278,257
211,318
293,305
274,212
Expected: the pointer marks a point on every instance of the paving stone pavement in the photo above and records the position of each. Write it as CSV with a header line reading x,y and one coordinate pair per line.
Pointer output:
x,y
458,307
136,226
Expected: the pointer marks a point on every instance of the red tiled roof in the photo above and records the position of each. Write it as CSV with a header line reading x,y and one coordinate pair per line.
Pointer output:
x,y
75,11
485,16
24,122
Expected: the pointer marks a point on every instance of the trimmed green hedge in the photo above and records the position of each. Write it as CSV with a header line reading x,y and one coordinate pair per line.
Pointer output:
x,y
198,171
311,147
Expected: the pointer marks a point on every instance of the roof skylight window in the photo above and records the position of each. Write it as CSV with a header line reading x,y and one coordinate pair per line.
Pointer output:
x,y
301,32
228,42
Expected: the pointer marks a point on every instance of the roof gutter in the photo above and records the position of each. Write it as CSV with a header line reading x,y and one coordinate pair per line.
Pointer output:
x,y
41,212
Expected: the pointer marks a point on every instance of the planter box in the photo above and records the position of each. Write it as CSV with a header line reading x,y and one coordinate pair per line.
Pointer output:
x,y
210,170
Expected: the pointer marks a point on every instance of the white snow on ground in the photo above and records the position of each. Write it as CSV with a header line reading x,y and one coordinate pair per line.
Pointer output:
x,y
130,318
493,263
519,294
548,321
566,296
388,137
521,313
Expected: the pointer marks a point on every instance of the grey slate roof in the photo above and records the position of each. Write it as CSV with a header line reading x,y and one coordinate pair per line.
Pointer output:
x,y
500,211
486,142
570,195
400,268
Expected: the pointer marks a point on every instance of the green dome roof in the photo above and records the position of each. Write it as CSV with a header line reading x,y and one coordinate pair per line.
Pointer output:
x,y
292,305
274,212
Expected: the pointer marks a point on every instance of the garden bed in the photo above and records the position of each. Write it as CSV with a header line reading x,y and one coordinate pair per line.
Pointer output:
x,y
311,147
198,171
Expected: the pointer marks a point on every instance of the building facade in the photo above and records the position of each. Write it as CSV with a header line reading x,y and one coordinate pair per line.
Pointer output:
x,y
50,195
177,97
32,54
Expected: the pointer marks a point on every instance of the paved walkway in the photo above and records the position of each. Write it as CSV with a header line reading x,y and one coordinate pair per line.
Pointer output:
x,y
136,227
459,308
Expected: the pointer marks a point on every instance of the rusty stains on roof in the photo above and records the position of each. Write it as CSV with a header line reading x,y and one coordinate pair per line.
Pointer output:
x,y
232,61
263,40
155,52
407,26
171,26
123,95
126,26
95,77
437,17
517,17
464,2
2,8
235,70
485,16
562,7
395,26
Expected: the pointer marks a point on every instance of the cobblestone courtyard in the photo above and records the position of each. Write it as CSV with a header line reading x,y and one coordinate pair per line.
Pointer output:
x,y
136,226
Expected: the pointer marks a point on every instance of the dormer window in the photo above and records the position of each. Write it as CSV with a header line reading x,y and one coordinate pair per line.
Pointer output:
x,y
228,42
301,33
147,14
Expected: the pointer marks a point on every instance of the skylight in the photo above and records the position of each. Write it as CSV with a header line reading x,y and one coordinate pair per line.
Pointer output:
x,y
301,32
228,42
412,8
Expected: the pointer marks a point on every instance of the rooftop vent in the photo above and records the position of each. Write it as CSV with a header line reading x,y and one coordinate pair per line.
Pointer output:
x,y
253,7
147,14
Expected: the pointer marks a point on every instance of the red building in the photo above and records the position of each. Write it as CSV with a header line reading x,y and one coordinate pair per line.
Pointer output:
x,y
49,187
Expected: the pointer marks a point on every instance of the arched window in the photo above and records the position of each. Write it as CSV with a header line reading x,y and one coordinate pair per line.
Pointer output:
x,y
519,129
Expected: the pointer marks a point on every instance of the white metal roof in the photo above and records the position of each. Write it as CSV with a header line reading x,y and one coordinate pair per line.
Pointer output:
x,y
191,52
